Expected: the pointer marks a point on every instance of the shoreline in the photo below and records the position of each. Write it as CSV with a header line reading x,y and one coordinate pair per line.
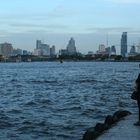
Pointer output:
x,y
100,128
67,60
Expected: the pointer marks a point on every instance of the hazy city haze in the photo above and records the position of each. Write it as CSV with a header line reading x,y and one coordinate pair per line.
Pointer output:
x,y
88,21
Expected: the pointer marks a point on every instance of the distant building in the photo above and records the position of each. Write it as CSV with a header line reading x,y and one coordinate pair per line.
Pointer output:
x,y
90,53
102,50
63,52
38,44
6,49
38,52
52,50
17,51
25,52
108,50
133,50
71,48
42,49
45,49
124,44
138,49
113,50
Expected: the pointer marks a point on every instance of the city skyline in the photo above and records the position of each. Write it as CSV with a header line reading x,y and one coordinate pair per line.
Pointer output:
x,y
42,48
56,21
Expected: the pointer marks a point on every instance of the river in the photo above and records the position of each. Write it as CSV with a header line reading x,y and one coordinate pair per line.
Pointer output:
x,y
53,101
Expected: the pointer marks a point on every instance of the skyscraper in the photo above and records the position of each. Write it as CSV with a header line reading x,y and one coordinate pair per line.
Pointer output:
x,y
113,50
6,49
38,44
124,44
71,47
52,50
41,48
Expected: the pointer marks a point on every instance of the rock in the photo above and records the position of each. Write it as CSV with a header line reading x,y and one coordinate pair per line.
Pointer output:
x,y
115,119
90,134
121,113
109,120
100,127
93,132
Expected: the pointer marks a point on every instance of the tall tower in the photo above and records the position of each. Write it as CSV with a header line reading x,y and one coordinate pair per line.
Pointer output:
x,y
71,47
124,44
38,44
113,50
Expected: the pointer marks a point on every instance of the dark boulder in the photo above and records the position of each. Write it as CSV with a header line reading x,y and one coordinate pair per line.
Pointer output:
x,y
109,120
90,134
121,113
100,127
93,132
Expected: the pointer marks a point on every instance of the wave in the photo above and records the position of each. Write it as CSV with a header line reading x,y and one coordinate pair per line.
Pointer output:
x,y
30,103
43,81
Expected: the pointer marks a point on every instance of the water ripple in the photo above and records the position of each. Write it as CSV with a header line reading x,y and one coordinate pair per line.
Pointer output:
x,y
52,101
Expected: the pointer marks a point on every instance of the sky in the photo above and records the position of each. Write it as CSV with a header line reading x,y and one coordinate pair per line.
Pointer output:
x,y
89,22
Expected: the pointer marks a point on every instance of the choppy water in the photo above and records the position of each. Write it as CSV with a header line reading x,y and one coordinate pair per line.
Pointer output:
x,y
49,101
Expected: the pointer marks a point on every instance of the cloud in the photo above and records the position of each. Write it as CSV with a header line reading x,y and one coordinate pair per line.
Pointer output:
x,y
114,30
37,28
38,25
29,28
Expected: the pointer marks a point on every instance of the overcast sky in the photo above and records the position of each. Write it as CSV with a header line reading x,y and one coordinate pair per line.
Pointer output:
x,y
55,21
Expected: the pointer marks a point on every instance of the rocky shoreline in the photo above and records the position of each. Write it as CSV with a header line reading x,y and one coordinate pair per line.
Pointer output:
x,y
94,132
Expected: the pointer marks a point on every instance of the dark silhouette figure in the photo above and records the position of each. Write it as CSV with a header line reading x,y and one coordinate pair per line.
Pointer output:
x,y
137,94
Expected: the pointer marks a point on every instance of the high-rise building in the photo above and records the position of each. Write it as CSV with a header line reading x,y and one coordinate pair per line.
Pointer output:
x,y
101,48
133,50
113,50
42,49
107,50
6,49
71,48
45,49
52,50
124,44
38,44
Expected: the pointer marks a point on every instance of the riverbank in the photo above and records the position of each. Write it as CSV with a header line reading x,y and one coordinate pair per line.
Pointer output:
x,y
124,130
33,58
94,132
60,61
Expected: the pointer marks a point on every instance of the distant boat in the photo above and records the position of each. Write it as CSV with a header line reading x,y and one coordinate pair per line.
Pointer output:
x,y
61,61
29,60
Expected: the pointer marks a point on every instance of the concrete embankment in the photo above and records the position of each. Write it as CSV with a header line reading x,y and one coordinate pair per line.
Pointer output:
x,y
119,126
